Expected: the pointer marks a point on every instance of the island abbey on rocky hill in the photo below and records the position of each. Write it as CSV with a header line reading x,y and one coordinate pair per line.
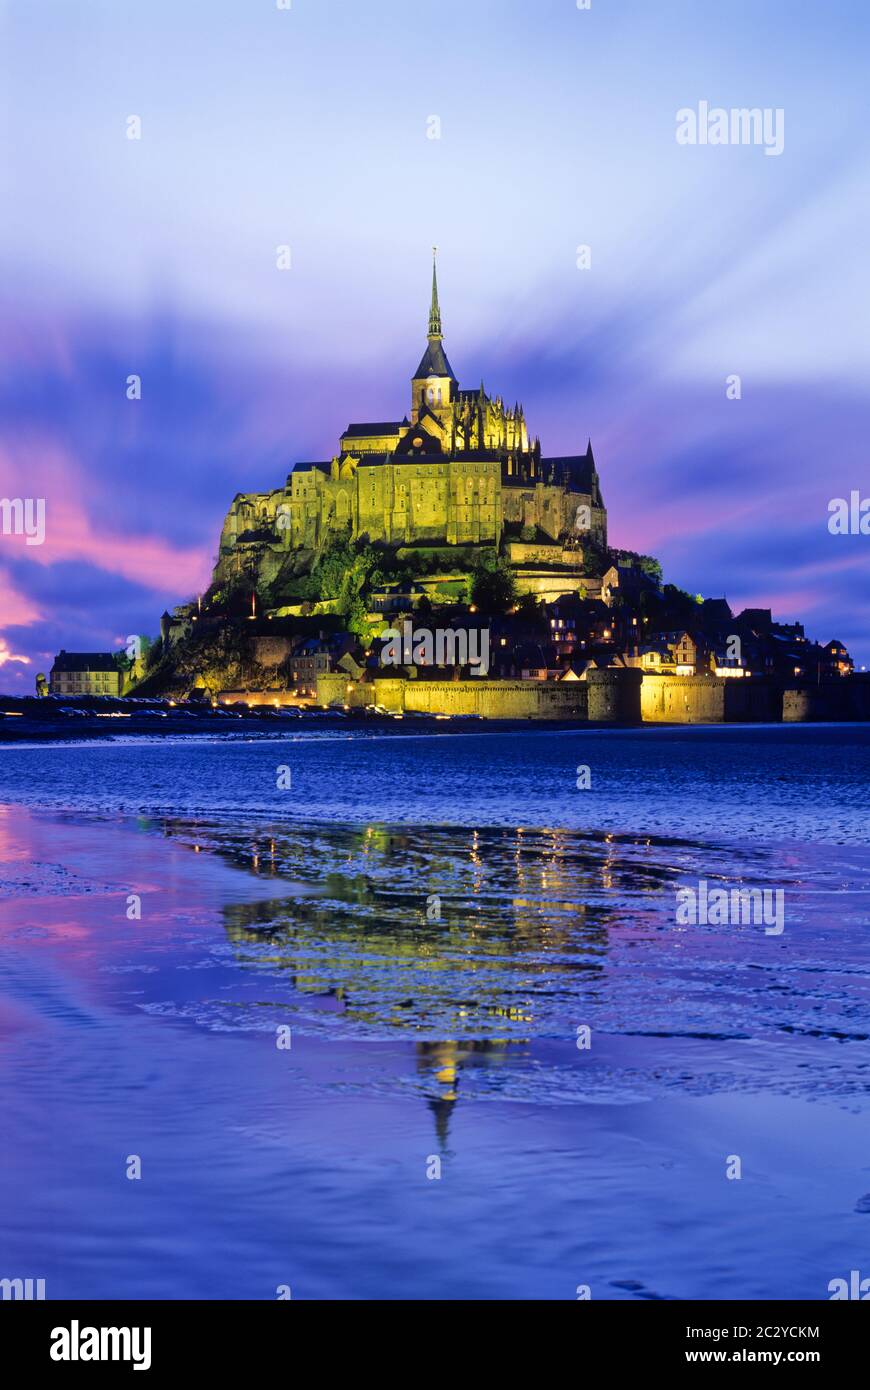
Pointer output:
x,y
458,469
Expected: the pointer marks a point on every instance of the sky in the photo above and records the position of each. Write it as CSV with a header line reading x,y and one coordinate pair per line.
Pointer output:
x,y
311,127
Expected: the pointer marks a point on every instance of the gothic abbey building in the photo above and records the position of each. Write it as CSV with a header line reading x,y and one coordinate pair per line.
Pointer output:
x,y
459,469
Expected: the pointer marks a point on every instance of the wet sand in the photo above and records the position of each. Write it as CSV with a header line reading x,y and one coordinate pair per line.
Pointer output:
x,y
308,1167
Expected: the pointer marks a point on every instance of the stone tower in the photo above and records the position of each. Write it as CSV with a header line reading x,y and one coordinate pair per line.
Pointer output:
x,y
434,387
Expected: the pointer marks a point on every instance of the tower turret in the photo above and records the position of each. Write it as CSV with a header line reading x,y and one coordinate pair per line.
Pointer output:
x,y
433,385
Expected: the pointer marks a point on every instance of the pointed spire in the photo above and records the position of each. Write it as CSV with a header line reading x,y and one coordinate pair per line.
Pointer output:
x,y
434,360
435,310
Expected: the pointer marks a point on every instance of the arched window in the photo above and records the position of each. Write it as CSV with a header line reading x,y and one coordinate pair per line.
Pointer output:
x,y
431,395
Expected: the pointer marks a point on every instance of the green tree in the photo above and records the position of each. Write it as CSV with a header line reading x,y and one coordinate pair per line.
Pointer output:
x,y
647,564
355,616
154,654
332,565
492,586
530,611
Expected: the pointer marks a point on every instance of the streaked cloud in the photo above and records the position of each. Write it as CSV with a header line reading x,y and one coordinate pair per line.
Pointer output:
x,y
157,258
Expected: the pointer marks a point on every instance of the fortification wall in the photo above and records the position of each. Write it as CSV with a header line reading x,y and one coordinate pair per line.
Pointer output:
x,y
528,553
682,700
752,701
485,698
708,700
498,699
614,695
545,584
840,698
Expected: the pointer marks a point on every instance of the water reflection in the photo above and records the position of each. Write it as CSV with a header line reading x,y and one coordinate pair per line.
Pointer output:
x,y
538,931
440,1066
524,925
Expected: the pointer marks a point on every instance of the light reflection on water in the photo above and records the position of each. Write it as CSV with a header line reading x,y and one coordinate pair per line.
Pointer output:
x,y
457,1035
540,931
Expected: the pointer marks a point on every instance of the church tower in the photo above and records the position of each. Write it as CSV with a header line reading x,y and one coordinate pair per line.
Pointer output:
x,y
434,387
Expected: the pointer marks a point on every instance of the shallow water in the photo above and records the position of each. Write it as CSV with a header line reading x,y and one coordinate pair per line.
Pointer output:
x,y
434,918
777,782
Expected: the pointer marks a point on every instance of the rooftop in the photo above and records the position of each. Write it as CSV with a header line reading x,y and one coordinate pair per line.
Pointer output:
x,y
84,661
376,428
434,363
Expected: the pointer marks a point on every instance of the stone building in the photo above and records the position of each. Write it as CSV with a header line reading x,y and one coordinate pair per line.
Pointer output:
x,y
84,673
457,469
316,656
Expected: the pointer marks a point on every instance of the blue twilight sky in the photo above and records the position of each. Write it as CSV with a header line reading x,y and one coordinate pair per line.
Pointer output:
x,y
309,127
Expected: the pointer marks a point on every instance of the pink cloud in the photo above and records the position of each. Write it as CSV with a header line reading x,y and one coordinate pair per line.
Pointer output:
x,y
45,470
7,655
17,609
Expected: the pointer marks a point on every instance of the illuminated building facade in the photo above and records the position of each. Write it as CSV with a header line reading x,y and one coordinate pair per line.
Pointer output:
x,y
457,469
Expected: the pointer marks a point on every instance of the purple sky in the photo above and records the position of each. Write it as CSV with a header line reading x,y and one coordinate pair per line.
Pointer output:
x,y
308,127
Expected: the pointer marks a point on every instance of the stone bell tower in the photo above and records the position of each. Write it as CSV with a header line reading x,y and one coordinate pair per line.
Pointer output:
x,y
434,387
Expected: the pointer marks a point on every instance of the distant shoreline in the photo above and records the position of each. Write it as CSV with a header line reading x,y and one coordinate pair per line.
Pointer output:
x,y
22,731
14,731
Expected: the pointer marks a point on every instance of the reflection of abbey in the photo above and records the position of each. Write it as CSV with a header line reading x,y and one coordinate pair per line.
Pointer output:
x,y
458,469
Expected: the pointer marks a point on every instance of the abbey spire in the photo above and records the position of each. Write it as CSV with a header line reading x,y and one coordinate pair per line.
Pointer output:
x,y
433,383
435,309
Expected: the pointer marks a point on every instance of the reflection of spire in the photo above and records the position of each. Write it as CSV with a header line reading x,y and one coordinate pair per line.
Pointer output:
x,y
442,1110
435,309
440,1061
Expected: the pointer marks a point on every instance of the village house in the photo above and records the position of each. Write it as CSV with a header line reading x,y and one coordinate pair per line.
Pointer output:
x,y
85,673
315,656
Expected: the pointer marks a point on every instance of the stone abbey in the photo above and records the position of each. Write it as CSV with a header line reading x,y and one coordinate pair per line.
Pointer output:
x,y
458,469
